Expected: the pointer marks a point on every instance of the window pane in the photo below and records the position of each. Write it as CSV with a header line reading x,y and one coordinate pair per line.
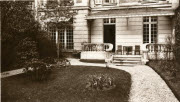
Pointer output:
x,y
106,20
79,1
109,20
106,1
52,33
98,1
61,38
153,33
113,20
154,19
69,35
145,19
145,33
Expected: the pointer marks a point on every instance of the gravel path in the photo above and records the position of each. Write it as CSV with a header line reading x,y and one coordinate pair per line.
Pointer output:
x,y
147,85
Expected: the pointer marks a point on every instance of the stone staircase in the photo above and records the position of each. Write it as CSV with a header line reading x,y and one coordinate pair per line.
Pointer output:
x,y
125,60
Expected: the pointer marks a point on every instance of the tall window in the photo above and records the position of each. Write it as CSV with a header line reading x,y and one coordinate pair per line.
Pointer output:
x,y
63,36
149,29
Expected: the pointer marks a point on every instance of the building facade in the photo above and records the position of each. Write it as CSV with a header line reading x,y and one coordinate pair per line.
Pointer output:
x,y
128,25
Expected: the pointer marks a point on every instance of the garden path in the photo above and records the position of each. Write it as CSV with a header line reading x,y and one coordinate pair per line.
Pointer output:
x,y
147,85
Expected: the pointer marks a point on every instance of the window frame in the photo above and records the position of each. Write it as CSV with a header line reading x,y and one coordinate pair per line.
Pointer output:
x,y
98,1
104,2
109,21
150,23
78,1
55,35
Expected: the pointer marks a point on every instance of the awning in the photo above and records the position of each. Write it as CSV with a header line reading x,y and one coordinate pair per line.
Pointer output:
x,y
130,13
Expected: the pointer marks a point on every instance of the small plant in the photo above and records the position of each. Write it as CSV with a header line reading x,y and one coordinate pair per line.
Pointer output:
x,y
38,70
100,82
63,63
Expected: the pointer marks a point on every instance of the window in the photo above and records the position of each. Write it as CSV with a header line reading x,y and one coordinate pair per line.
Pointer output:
x,y
63,36
78,1
98,1
109,21
105,1
149,29
110,1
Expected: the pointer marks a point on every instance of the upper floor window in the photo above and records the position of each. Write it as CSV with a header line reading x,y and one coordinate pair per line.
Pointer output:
x,y
105,1
78,1
98,1
109,1
150,29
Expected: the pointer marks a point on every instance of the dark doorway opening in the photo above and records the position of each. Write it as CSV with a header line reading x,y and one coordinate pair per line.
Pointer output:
x,y
109,35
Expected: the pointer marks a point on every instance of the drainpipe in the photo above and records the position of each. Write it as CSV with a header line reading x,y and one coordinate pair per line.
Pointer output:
x,y
175,4
36,7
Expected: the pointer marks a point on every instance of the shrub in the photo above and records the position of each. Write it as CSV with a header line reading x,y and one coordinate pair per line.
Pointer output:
x,y
26,50
22,37
38,70
49,60
46,47
177,35
100,82
62,63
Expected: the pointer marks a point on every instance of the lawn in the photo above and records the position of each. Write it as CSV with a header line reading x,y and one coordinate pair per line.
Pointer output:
x,y
67,85
172,81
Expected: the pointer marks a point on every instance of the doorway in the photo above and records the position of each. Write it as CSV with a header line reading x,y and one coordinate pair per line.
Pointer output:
x,y
109,35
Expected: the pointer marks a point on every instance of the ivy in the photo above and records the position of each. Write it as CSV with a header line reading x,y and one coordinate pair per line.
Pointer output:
x,y
177,34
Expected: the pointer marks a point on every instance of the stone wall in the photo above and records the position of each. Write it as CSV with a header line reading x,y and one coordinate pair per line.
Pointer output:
x,y
81,29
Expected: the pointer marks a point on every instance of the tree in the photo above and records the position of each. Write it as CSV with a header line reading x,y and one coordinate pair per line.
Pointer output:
x,y
57,14
19,23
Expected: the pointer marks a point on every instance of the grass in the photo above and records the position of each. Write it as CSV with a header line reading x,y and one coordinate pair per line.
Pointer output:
x,y
172,81
66,85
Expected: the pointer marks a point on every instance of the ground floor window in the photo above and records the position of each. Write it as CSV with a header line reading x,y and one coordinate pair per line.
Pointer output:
x,y
62,36
150,29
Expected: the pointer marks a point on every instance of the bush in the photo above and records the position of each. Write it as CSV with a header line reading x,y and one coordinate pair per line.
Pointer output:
x,y
49,60
22,37
100,82
26,50
38,70
177,34
46,47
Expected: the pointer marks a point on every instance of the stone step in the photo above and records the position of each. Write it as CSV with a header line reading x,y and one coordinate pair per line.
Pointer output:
x,y
126,60
125,64
123,61
131,59
127,56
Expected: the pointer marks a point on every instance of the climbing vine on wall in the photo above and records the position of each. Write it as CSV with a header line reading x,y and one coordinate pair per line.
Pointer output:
x,y
177,34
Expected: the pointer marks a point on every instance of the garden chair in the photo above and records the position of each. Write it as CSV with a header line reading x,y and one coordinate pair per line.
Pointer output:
x,y
137,49
119,50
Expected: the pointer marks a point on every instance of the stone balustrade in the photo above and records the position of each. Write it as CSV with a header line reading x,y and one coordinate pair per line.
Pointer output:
x,y
95,51
159,51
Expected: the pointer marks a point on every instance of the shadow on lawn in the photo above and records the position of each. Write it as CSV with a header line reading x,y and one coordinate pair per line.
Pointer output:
x,y
173,81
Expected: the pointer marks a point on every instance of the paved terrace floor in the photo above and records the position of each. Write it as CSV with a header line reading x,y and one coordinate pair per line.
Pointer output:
x,y
147,85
